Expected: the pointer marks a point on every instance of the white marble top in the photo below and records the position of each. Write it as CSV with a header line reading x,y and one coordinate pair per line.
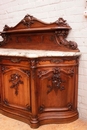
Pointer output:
x,y
35,53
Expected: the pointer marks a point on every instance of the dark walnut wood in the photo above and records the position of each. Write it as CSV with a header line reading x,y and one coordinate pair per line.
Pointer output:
x,y
39,90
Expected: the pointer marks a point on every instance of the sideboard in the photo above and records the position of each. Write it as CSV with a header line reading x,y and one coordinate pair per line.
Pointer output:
x,y
38,72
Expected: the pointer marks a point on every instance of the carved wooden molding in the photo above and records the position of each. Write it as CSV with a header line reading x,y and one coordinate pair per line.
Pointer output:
x,y
68,107
41,73
53,33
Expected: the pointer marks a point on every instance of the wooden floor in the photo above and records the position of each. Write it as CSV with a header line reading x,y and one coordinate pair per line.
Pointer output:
x,y
11,124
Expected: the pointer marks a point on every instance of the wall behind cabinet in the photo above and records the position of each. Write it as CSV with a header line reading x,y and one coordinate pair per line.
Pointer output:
x,y
12,11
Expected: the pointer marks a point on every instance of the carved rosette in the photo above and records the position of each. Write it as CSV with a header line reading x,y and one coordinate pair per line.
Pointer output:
x,y
15,79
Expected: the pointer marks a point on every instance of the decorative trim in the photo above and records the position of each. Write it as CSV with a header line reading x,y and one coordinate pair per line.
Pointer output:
x,y
41,73
16,81
56,61
33,63
4,68
61,22
26,71
6,102
28,108
70,106
6,28
15,60
62,33
41,108
0,98
71,45
28,20
57,82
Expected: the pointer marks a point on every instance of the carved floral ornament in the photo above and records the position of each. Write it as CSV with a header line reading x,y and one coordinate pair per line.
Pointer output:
x,y
57,83
15,79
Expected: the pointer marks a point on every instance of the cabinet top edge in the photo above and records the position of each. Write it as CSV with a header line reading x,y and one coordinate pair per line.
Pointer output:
x,y
36,53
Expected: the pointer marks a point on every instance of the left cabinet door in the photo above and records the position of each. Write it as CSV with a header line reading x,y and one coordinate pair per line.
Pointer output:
x,y
16,87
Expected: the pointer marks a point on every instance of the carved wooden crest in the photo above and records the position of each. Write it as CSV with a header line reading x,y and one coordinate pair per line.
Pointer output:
x,y
31,33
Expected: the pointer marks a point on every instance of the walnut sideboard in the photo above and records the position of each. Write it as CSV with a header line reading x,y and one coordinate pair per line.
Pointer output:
x,y
38,72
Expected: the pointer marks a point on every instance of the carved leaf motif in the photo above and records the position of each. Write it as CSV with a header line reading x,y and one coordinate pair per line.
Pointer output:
x,y
16,81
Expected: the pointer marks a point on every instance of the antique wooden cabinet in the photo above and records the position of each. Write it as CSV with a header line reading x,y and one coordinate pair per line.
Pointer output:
x,y
38,72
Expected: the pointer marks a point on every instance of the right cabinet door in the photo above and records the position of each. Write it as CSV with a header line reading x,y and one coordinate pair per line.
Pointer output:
x,y
56,87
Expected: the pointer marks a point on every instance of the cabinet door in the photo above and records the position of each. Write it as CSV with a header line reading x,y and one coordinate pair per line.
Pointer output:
x,y
16,87
55,86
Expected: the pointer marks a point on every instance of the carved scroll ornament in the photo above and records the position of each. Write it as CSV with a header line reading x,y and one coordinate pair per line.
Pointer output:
x,y
60,39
